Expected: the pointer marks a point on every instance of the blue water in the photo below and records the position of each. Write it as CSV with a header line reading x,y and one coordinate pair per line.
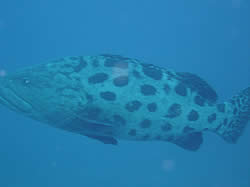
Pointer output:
x,y
210,38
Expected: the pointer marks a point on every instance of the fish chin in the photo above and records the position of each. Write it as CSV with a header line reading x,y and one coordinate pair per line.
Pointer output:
x,y
12,101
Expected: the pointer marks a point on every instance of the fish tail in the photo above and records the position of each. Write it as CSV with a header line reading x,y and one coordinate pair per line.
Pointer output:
x,y
237,116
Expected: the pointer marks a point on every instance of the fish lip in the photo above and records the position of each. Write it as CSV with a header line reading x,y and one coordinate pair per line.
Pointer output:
x,y
13,101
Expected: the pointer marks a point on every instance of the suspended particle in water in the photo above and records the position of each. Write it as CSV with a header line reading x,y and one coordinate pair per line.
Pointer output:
x,y
2,73
168,165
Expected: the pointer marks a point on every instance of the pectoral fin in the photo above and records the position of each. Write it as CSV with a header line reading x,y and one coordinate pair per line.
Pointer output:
x,y
104,139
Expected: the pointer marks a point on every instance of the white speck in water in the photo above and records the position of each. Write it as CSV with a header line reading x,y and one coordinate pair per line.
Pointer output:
x,y
2,73
168,165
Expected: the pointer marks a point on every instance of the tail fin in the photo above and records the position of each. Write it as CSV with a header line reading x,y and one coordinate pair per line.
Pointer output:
x,y
239,107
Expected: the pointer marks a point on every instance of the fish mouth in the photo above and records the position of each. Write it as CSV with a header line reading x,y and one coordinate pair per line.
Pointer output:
x,y
11,100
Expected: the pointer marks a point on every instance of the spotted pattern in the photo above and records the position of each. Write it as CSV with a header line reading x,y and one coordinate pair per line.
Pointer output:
x,y
133,106
109,96
152,107
121,81
235,111
166,88
82,64
146,123
98,78
166,127
132,132
193,115
91,112
211,118
136,74
225,121
188,129
181,89
95,63
199,100
89,97
119,120
152,72
221,107
174,111
148,90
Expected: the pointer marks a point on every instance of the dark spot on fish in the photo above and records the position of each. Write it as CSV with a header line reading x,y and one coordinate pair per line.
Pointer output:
x,y
158,137
225,121
211,118
193,115
199,100
152,107
148,90
98,78
188,129
166,88
133,106
109,96
146,137
82,64
174,111
136,74
152,71
91,112
181,89
110,62
119,120
235,111
166,127
89,97
95,63
146,123
121,81
132,132
221,107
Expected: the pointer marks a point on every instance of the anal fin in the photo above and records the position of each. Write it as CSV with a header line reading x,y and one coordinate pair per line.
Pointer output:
x,y
104,139
191,142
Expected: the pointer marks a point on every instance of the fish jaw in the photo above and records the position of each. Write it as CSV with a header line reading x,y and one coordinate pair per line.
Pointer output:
x,y
10,99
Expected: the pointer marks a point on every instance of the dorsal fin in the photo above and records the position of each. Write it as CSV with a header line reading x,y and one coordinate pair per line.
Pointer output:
x,y
191,142
196,83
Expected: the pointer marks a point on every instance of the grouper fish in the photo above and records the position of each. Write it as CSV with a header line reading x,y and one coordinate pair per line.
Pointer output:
x,y
111,97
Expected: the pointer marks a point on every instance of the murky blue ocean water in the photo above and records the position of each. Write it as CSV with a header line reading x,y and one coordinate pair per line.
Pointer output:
x,y
210,38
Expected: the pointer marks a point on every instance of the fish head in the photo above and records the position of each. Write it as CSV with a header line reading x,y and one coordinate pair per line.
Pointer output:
x,y
22,91
41,93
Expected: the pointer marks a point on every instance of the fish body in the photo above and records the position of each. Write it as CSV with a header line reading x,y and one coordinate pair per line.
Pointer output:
x,y
110,97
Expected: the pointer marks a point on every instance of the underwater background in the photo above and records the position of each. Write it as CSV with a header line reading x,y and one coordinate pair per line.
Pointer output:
x,y
210,38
